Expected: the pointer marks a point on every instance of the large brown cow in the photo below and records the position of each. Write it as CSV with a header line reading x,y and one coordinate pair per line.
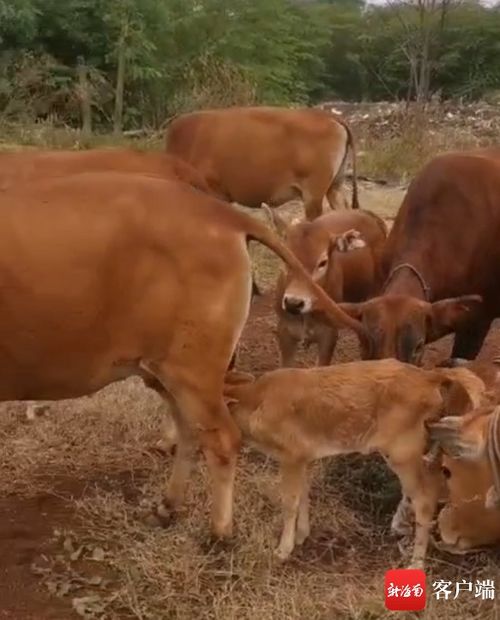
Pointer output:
x,y
21,167
25,166
108,275
441,261
346,276
255,155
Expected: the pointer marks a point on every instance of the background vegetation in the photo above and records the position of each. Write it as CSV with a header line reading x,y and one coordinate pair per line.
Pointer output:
x,y
125,64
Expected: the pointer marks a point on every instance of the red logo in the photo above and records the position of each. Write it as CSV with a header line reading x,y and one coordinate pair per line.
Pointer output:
x,y
405,589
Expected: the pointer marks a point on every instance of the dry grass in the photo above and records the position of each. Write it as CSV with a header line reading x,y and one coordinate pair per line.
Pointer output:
x,y
398,154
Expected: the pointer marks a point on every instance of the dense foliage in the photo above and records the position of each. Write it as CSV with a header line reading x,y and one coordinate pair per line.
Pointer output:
x,y
129,63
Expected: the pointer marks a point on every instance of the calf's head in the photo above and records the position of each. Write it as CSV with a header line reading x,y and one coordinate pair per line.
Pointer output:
x,y
317,250
399,326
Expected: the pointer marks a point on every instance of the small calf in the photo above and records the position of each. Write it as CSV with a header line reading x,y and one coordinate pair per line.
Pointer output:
x,y
301,415
341,251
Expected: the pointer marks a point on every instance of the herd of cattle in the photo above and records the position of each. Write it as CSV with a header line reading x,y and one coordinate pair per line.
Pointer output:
x,y
115,263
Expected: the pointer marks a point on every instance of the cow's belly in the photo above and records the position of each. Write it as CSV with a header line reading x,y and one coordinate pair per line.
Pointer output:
x,y
56,379
252,192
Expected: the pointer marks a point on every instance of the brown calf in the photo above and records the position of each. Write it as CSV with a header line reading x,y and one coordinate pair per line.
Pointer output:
x,y
300,415
255,155
108,275
324,248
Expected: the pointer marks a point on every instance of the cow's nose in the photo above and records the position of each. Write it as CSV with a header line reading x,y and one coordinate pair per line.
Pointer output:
x,y
293,305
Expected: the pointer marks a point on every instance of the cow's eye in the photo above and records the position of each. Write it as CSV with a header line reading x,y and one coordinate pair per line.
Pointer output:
x,y
446,472
323,263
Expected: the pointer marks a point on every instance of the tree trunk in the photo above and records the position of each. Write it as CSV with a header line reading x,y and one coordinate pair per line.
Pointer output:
x,y
120,85
85,99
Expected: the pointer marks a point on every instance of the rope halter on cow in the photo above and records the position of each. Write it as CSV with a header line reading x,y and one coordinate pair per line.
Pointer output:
x,y
426,289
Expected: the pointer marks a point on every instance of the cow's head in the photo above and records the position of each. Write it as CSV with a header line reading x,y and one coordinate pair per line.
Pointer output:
x,y
317,250
400,325
467,521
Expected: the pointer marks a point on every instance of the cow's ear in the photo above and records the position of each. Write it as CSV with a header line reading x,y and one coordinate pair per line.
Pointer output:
x,y
276,221
348,241
448,315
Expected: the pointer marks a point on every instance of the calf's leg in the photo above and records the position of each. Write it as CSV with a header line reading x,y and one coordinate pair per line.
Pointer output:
x,y
326,345
421,485
287,343
293,477
401,521
303,526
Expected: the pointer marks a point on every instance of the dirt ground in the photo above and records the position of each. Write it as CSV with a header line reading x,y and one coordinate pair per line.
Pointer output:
x,y
76,484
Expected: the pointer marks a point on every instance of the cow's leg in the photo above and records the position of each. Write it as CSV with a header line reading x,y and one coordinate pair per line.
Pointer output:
x,y
201,418
287,342
219,438
293,477
183,461
327,342
468,341
336,197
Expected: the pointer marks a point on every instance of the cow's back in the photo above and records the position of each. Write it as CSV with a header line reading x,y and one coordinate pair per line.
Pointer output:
x,y
26,166
450,219
250,154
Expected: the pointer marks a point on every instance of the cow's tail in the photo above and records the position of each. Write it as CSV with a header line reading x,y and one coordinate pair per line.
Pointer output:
x,y
352,146
258,231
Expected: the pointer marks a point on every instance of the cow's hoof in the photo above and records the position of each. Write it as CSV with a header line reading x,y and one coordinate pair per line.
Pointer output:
x,y
282,555
215,544
162,515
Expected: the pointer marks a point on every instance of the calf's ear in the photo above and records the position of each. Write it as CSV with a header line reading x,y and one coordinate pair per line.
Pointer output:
x,y
448,315
456,398
348,241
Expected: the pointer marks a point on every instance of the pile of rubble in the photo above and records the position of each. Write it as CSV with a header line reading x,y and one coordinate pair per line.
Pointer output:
x,y
384,118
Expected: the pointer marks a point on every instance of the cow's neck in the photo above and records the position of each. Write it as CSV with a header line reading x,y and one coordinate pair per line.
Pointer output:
x,y
408,277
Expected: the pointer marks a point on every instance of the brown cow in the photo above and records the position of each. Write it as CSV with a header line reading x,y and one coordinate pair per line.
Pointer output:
x,y
471,517
109,275
300,415
441,261
255,155
321,247
21,167
25,166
